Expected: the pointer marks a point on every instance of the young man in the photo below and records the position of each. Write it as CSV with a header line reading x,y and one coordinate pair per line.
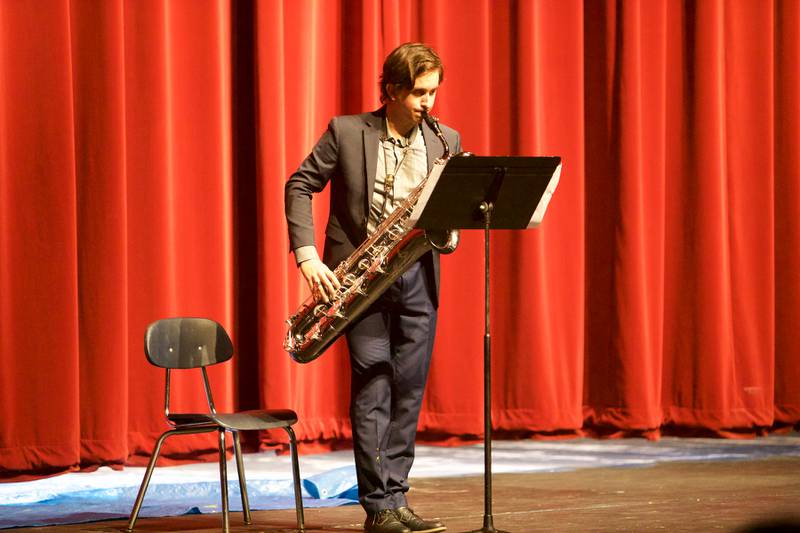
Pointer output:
x,y
372,161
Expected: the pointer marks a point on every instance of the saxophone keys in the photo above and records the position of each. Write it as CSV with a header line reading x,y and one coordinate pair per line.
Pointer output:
x,y
338,313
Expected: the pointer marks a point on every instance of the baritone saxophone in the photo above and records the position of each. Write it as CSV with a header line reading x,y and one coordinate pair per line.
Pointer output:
x,y
366,274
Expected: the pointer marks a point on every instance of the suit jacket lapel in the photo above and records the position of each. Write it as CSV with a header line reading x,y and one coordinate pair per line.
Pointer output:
x,y
372,132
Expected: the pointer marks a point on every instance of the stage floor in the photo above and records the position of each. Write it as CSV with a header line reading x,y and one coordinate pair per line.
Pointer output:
x,y
676,495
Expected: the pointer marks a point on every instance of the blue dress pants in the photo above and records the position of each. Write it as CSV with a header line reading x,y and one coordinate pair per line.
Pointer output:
x,y
390,353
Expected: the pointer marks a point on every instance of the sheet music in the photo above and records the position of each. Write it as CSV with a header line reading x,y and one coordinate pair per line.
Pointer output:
x,y
433,178
538,213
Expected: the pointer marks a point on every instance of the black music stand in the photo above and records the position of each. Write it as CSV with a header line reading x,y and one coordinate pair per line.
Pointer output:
x,y
487,193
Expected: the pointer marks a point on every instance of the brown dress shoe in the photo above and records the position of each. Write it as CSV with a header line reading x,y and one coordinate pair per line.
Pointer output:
x,y
384,522
415,523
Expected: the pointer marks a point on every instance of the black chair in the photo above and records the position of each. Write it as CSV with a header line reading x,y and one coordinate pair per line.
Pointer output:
x,y
182,343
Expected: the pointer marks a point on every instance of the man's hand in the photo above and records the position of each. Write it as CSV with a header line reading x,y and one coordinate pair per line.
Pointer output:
x,y
320,279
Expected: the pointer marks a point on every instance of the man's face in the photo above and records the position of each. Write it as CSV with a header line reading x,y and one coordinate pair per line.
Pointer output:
x,y
410,103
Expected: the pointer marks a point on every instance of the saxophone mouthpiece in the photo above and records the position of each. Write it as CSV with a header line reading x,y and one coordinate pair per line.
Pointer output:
x,y
432,121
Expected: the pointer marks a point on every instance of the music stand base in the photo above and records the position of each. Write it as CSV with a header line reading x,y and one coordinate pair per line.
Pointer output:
x,y
488,527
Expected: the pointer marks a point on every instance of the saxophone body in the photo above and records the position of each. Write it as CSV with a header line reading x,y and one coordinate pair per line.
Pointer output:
x,y
367,273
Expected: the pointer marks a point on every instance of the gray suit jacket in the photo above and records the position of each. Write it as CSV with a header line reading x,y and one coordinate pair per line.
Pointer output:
x,y
347,156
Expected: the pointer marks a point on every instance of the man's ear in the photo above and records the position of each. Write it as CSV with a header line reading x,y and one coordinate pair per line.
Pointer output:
x,y
391,90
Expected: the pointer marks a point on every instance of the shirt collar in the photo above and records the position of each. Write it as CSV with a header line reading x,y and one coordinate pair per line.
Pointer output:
x,y
401,141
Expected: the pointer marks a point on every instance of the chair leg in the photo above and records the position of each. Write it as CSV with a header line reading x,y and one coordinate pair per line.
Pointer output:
x,y
298,498
237,449
223,480
137,506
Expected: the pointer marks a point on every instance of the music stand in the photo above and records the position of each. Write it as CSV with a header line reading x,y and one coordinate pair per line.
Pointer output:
x,y
488,193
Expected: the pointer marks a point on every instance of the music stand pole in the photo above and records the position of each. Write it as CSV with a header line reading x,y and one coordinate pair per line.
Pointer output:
x,y
488,522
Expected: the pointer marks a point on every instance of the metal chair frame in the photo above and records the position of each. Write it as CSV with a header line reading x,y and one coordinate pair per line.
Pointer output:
x,y
194,423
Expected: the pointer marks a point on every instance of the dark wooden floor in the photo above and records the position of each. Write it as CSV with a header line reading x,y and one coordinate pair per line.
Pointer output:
x,y
695,496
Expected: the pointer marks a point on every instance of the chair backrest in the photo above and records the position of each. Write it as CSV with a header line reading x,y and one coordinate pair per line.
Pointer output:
x,y
186,343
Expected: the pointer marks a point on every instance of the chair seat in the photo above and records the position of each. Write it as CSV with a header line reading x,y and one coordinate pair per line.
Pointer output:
x,y
242,421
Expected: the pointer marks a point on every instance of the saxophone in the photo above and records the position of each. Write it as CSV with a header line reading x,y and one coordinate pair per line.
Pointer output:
x,y
366,274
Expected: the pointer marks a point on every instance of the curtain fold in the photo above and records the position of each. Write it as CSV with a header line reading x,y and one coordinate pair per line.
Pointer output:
x,y
39,338
786,57
98,76
144,147
179,174
625,181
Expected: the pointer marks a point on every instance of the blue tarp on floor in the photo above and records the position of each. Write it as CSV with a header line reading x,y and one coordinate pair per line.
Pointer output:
x,y
329,489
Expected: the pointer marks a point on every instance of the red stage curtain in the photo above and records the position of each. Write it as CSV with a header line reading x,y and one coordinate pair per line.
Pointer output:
x,y
144,147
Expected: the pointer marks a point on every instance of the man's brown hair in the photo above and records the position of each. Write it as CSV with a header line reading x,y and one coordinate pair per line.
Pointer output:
x,y
405,63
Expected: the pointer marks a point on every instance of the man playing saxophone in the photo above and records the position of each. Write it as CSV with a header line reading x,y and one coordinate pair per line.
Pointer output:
x,y
372,161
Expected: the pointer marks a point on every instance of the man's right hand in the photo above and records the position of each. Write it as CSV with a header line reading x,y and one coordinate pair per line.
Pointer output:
x,y
320,279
